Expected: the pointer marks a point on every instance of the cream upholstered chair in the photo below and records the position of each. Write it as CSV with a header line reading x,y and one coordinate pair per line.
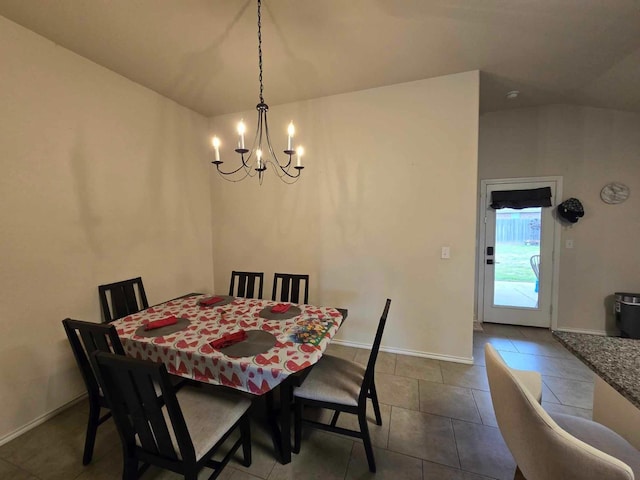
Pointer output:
x,y
531,380
554,446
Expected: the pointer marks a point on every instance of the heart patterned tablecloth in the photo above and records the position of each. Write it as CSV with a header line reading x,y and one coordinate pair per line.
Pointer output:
x,y
188,352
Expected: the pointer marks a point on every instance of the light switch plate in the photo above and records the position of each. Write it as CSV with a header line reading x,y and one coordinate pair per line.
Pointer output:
x,y
568,243
446,252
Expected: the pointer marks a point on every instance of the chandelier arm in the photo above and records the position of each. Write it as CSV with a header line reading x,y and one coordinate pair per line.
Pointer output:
x,y
273,153
261,115
289,180
226,176
255,144
284,169
242,166
288,174
282,173
284,176
246,163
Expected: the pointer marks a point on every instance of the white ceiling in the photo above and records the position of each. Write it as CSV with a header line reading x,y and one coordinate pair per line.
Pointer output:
x,y
203,53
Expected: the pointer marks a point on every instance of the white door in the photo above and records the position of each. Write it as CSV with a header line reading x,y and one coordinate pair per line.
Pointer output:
x,y
517,255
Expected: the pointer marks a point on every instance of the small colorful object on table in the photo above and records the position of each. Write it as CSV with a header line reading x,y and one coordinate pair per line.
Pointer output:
x,y
229,339
311,333
281,308
162,322
207,302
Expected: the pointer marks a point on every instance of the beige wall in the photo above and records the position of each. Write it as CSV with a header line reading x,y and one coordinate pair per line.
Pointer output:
x,y
101,180
588,147
390,179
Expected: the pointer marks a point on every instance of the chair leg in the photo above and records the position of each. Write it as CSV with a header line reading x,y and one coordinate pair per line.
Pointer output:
x,y
190,475
334,419
130,469
269,403
376,405
298,410
245,432
366,439
92,429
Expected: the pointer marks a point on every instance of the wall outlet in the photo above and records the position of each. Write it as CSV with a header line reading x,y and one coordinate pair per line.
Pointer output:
x,y
445,253
568,243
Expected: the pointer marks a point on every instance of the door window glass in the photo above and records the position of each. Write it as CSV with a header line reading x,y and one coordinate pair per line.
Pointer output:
x,y
517,256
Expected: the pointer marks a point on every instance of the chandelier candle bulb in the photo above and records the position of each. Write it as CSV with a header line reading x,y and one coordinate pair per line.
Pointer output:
x,y
291,131
241,130
259,155
216,146
300,152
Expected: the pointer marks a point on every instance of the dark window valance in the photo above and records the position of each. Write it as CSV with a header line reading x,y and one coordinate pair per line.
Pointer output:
x,y
535,197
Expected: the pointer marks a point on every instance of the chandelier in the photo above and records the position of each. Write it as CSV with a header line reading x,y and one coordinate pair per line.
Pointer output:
x,y
254,161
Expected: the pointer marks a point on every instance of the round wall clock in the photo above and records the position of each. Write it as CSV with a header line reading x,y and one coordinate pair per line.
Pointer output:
x,y
614,192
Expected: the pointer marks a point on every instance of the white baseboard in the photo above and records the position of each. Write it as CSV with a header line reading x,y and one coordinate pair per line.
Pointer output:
x,y
412,353
40,420
602,333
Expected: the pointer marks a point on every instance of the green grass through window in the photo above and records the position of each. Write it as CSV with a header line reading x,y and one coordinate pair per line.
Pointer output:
x,y
513,262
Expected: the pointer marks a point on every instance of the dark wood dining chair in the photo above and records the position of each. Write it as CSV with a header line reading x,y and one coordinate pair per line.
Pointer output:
x,y
243,284
286,287
119,299
86,338
342,386
180,433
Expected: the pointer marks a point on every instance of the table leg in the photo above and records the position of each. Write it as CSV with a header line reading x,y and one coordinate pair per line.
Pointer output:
x,y
279,418
285,421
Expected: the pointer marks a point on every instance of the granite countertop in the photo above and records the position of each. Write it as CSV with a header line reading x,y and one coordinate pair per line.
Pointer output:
x,y
615,360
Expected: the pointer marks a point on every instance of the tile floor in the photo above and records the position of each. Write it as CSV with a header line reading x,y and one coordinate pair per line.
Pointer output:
x,y
438,423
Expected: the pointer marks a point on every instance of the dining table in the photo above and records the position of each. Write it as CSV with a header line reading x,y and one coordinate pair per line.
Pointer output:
x,y
250,345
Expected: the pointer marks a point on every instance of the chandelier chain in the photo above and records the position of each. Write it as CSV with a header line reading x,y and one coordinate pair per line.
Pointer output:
x,y
260,50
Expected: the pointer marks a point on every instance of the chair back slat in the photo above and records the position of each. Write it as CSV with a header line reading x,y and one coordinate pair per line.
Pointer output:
x,y
94,341
129,406
289,288
146,413
246,284
130,385
373,356
120,299
123,300
86,338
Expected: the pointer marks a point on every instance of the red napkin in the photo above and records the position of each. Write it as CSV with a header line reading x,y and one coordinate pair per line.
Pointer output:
x,y
211,301
163,322
280,308
229,339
